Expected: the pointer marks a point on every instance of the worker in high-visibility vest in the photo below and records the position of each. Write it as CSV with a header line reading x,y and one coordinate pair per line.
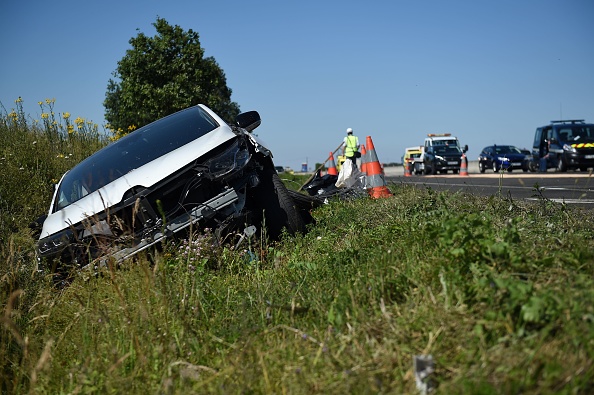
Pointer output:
x,y
350,146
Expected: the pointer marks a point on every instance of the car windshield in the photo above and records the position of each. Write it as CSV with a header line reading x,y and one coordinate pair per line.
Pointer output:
x,y
133,151
446,142
576,133
447,149
507,149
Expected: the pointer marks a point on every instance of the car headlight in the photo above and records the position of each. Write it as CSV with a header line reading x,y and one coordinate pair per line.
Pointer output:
x,y
503,159
567,147
232,159
439,157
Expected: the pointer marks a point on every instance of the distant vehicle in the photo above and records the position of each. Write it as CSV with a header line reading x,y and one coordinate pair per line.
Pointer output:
x,y
414,154
279,169
441,158
571,144
440,151
502,157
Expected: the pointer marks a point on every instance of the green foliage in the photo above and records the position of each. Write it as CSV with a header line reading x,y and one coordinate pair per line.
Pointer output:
x,y
163,74
498,291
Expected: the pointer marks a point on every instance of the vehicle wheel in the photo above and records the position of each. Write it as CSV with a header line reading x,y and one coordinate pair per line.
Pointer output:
x,y
561,165
454,171
280,210
495,169
509,169
482,167
433,171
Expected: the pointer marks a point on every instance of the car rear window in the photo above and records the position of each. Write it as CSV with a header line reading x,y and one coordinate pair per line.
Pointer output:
x,y
133,151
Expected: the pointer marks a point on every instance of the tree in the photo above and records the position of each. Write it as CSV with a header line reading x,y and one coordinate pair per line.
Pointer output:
x,y
164,74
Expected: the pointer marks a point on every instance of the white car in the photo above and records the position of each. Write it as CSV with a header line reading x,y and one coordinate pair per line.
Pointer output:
x,y
187,170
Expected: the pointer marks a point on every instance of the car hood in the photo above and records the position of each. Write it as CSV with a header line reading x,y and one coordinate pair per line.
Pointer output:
x,y
145,176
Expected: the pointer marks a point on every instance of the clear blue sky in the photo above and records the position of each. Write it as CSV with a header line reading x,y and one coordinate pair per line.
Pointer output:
x,y
485,71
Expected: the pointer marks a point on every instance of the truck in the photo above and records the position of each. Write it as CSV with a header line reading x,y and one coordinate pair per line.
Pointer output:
x,y
571,145
414,155
442,152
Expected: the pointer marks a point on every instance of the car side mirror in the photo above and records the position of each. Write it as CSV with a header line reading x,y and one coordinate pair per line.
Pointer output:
x,y
465,148
37,225
248,120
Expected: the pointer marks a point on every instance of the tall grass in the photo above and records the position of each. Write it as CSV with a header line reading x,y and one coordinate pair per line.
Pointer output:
x,y
498,291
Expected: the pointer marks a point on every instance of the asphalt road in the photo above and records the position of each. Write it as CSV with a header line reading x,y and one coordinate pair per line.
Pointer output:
x,y
572,188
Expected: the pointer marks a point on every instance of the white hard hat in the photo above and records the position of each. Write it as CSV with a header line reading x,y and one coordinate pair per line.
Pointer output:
x,y
349,130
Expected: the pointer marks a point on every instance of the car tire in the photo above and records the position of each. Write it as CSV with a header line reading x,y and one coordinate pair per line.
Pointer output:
x,y
481,167
495,169
561,165
279,209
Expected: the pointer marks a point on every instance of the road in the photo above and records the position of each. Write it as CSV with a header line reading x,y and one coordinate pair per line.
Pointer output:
x,y
572,188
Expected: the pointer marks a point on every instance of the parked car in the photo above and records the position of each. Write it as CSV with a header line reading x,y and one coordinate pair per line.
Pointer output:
x,y
571,144
189,170
441,158
502,157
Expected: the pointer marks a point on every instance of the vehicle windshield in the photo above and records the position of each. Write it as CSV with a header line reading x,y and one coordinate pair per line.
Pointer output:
x,y
507,149
576,133
447,149
133,151
447,142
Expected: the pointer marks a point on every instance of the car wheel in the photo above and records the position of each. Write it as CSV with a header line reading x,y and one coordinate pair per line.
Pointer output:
x,y
481,167
495,169
561,165
433,171
280,210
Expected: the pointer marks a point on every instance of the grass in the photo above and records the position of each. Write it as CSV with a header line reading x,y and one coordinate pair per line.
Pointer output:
x,y
498,291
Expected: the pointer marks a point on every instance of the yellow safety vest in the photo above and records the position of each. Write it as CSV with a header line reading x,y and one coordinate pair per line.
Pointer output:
x,y
351,146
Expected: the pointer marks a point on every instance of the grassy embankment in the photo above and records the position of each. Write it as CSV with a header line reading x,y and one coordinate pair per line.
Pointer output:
x,y
498,291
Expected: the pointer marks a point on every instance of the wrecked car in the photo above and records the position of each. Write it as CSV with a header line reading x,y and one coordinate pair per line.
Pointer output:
x,y
189,170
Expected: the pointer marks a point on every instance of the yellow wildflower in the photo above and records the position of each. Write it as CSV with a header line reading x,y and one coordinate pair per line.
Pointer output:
x,y
66,115
44,115
19,100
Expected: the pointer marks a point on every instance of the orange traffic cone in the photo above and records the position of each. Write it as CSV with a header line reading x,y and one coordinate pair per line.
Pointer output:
x,y
407,168
376,184
332,166
363,159
464,165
